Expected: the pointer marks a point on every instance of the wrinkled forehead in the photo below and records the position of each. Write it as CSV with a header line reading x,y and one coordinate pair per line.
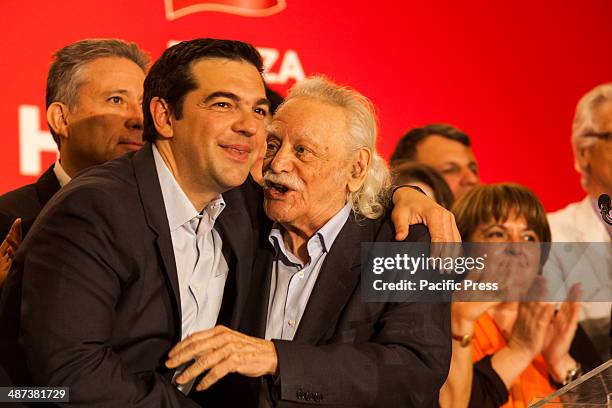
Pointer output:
x,y
602,117
310,119
288,127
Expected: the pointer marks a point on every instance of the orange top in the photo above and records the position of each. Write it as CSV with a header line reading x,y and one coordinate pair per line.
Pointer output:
x,y
531,385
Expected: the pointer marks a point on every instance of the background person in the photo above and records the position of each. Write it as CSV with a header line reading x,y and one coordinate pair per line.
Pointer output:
x,y
517,348
275,100
426,178
582,222
446,149
94,113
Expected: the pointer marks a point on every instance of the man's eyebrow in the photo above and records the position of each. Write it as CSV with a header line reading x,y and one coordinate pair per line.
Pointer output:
x,y
120,91
222,94
450,162
233,97
263,101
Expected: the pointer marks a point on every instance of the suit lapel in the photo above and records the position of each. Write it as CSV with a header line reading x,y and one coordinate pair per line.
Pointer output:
x,y
235,229
256,318
263,263
157,219
339,275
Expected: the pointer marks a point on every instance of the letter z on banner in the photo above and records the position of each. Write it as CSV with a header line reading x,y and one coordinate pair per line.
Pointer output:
x,y
252,8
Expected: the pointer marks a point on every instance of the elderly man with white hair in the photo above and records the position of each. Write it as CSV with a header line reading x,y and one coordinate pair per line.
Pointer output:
x,y
581,221
315,340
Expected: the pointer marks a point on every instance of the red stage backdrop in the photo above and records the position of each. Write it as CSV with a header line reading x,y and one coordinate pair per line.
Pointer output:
x,y
509,73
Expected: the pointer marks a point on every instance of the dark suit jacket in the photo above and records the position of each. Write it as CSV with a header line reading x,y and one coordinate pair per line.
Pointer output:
x,y
347,352
26,202
100,299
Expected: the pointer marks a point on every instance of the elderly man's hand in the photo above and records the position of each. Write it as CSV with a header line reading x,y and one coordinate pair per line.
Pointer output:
x,y
8,248
222,351
414,207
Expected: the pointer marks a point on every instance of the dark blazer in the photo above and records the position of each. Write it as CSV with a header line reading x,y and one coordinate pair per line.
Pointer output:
x,y
26,202
347,352
100,299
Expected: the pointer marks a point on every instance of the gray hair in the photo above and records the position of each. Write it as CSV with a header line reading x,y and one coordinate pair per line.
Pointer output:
x,y
372,197
64,79
584,122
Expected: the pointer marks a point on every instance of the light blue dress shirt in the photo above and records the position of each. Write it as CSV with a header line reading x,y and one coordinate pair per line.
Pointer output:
x,y
200,264
292,281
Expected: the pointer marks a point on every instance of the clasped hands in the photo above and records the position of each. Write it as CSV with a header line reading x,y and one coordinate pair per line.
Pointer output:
x,y
222,351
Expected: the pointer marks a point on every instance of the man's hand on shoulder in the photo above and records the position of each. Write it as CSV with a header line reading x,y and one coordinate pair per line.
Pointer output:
x,y
413,207
222,351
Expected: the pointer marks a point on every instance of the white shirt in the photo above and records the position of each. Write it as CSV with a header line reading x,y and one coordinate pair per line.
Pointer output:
x,y
200,264
292,281
580,222
62,177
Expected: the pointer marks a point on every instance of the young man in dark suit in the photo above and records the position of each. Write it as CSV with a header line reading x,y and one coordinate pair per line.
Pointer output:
x,y
314,339
111,275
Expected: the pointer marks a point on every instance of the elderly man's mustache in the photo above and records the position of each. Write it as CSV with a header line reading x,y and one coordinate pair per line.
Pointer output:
x,y
286,180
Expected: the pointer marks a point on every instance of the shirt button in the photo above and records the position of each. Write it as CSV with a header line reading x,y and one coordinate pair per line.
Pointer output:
x,y
197,288
301,275
291,323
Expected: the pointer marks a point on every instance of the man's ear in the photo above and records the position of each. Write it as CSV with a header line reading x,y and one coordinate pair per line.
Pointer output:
x,y
583,157
162,117
57,114
359,168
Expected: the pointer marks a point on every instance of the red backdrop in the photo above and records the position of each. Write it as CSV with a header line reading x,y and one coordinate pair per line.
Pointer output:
x,y
508,73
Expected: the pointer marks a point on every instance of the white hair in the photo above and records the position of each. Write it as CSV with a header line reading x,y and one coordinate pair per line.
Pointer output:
x,y
584,122
371,199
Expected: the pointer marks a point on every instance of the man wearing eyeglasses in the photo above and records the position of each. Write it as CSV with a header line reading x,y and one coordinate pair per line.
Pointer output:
x,y
582,221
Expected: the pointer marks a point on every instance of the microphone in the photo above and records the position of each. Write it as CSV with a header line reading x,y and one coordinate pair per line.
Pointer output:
x,y
604,202
604,206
